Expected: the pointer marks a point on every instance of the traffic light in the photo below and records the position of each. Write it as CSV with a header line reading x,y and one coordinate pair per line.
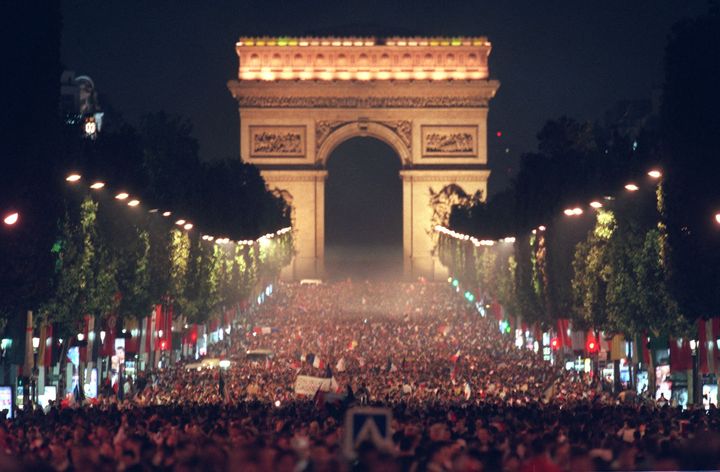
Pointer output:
x,y
555,344
591,346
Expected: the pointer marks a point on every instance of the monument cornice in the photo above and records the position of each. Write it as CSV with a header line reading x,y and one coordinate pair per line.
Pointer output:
x,y
447,101
480,173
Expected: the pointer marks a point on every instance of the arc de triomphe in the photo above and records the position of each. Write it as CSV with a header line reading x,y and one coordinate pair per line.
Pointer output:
x,y
427,98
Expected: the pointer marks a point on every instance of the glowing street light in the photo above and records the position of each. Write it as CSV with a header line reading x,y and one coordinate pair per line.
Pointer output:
x,y
717,218
122,196
595,204
72,178
133,203
188,226
97,185
11,219
573,211
167,213
180,222
541,228
632,187
654,173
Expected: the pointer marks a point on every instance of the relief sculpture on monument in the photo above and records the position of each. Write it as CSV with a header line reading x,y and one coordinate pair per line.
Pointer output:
x,y
281,141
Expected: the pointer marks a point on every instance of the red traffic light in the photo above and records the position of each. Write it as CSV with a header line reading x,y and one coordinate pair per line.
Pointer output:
x,y
555,343
591,346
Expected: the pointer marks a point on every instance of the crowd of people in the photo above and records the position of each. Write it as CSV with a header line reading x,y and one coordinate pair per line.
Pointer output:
x,y
461,394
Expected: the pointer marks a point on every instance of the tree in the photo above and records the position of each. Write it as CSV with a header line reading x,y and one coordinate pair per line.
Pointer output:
x,y
690,127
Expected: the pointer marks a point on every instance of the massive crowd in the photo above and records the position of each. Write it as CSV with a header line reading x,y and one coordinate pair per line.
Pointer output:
x,y
462,397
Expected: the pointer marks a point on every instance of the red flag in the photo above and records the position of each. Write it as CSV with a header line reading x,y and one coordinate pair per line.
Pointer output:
x,y
680,354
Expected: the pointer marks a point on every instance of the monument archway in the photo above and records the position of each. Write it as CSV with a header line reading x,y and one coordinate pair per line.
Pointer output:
x,y
363,211
427,98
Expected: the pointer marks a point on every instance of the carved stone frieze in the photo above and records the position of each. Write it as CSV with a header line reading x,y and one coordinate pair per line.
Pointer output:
x,y
402,128
323,129
362,102
277,141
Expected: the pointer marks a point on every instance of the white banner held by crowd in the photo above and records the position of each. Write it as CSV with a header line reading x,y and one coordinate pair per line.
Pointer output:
x,y
308,385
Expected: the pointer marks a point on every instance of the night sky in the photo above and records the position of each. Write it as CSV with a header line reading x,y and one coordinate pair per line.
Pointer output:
x,y
552,58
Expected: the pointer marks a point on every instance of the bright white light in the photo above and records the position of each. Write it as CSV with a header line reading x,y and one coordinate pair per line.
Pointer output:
x,y
509,239
224,363
693,344
577,211
541,228
80,336
188,226
73,177
632,187
568,211
655,174
167,213
11,219
180,222
122,195
134,203
277,403
717,217
596,204
97,185
160,333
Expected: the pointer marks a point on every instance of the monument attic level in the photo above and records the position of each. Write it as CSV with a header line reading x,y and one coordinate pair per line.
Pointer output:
x,y
427,98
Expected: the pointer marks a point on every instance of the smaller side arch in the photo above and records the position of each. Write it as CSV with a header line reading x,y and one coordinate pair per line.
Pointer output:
x,y
364,129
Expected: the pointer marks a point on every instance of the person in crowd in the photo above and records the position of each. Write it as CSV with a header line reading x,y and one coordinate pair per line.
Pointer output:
x,y
462,395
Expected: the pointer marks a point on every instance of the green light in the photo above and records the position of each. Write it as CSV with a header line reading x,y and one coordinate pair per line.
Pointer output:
x,y
455,282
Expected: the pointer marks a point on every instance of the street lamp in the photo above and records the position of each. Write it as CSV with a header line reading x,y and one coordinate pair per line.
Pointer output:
x,y
133,203
696,382
97,185
632,187
11,219
188,226
72,178
654,173
122,196
180,222
167,213
33,380
595,204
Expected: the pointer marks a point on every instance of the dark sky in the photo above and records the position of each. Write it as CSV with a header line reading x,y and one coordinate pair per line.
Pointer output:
x,y
552,57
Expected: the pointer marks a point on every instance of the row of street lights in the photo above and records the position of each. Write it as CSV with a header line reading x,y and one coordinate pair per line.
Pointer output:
x,y
571,212
133,202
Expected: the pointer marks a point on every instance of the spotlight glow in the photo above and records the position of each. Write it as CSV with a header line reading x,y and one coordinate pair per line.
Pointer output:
x,y
73,177
180,222
11,219
167,213
655,174
596,204
134,203
122,196
188,226
97,185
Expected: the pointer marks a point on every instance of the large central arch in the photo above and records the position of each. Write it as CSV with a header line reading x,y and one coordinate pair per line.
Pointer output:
x,y
427,98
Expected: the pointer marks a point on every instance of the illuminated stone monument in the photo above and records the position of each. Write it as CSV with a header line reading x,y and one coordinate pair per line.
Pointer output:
x,y
427,98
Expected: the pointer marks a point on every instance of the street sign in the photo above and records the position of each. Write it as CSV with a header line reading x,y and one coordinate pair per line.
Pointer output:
x,y
367,424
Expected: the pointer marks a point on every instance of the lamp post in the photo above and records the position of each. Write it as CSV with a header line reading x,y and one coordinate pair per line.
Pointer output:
x,y
33,381
696,383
